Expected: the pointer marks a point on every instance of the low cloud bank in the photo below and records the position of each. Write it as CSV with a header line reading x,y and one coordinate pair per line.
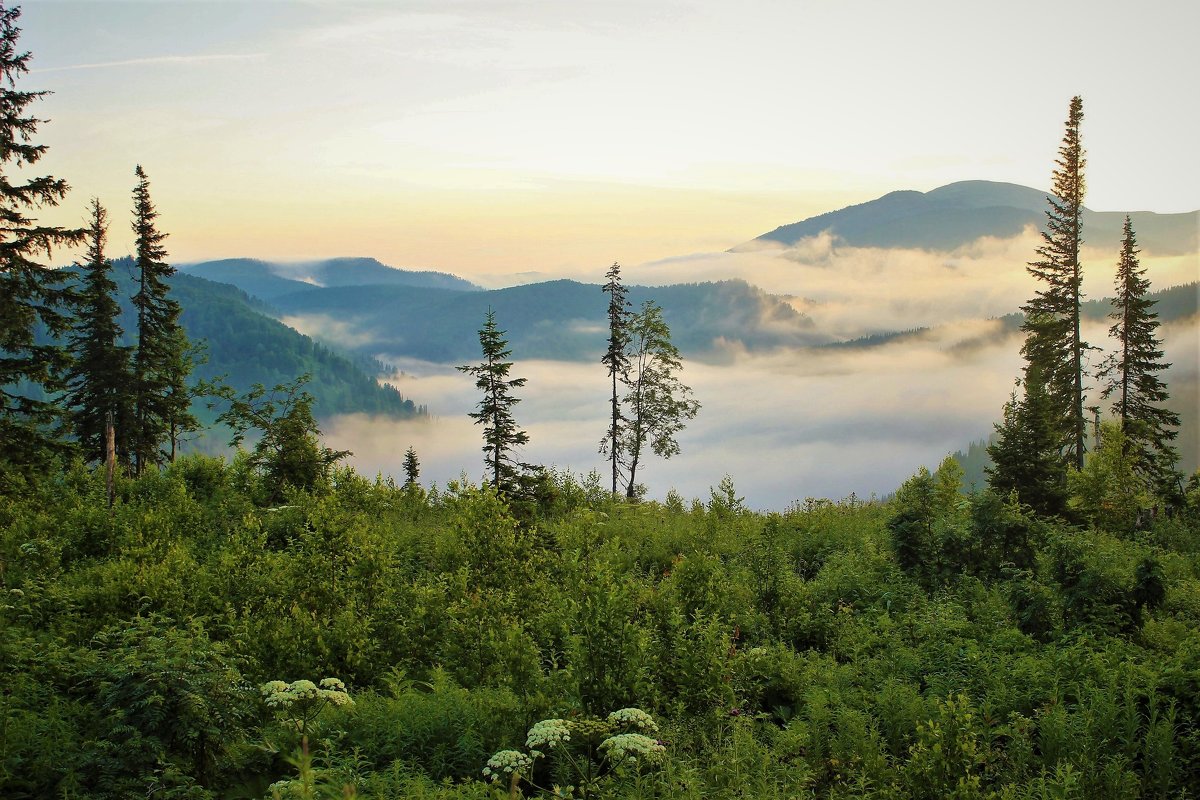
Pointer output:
x,y
785,426
797,422
857,291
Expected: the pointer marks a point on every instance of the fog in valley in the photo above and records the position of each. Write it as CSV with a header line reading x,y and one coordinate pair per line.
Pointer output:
x,y
800,422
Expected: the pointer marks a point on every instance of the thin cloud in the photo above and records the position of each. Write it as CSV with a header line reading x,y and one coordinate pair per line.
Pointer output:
x,y
156,61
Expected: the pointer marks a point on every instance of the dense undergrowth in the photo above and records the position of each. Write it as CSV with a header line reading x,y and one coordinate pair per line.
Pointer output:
x,y
935,646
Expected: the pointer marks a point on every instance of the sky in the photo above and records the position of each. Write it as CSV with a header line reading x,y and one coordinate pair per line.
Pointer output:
x,y
491,138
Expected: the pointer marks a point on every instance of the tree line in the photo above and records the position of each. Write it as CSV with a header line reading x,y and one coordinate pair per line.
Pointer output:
x,y
1040,445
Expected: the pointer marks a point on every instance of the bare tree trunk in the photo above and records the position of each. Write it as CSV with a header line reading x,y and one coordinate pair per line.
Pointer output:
x,y
110,458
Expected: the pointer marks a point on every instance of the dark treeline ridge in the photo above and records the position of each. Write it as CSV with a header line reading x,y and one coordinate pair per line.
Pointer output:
x,y
557,319
934,646
246,346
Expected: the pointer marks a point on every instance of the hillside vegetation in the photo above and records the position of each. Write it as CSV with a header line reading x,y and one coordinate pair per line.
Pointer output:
x,y
933,647
244,345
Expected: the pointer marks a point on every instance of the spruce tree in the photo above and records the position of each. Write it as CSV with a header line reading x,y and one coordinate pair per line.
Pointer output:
x,y
100,378
1051,325
1025,455
180,419
160,364
1131,373
617,361
659,403
34,298
412,467
501,436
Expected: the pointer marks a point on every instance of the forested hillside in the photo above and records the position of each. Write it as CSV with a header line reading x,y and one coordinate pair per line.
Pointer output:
x,y
267,280
244,345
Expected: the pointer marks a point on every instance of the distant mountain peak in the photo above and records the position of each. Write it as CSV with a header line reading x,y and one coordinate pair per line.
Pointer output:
x,y
958,213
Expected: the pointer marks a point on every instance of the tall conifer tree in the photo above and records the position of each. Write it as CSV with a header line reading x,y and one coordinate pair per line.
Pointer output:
x,y
501,435
160,362
617,361
1051,325
1131,373
100,378
34,298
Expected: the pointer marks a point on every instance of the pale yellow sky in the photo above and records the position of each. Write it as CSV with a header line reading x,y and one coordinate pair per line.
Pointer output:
x,y
490,137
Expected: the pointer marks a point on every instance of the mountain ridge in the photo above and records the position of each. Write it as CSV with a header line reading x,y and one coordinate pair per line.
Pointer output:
x,y
552,319
958,213
269,279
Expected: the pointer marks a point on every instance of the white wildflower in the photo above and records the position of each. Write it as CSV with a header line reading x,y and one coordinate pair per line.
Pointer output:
x,y
303,690
334,691
506,762
548,733
281,695
633,718
276,694
631,747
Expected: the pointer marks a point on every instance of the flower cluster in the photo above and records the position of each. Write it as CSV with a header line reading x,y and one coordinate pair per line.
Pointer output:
x,y
334,691
634,718
589,728
506,762
282,696
548,733
631,747
276,693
